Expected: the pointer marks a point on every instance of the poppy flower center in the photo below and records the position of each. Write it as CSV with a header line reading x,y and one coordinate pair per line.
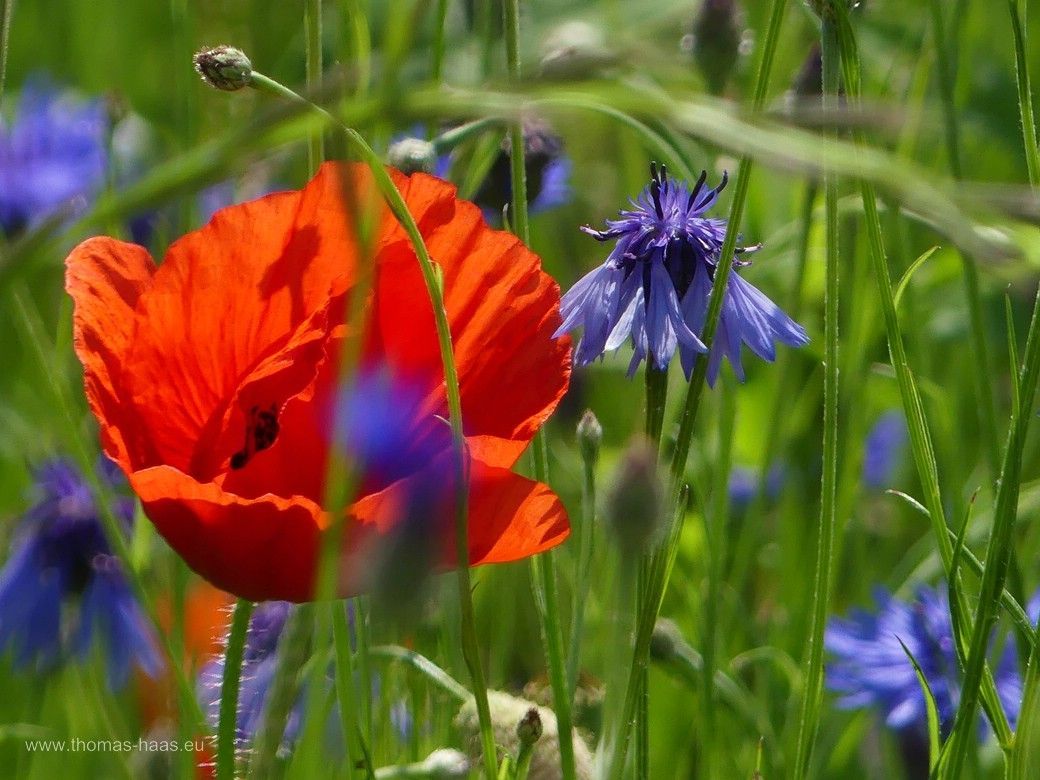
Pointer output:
x,y
261,431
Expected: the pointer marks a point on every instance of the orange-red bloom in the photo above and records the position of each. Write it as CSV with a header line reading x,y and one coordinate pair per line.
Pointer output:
x,y
211,375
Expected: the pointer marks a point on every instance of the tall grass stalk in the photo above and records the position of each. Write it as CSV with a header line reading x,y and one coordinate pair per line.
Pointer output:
x,y
812,692
6,14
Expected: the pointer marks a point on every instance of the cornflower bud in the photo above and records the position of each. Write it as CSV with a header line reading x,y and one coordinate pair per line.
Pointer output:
x,y
635,505
590,437
717,33
224,67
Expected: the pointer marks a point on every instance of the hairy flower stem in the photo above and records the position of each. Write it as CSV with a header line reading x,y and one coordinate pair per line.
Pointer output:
x,y
583,580
229,686
813,688
397,205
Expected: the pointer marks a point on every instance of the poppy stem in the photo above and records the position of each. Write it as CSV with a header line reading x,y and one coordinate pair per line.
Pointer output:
x,y
312,34
229,686
397,205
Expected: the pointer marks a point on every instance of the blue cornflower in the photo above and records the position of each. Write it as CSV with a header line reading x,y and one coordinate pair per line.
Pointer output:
x,y
870,668
53,152
61,560
883,449
655,285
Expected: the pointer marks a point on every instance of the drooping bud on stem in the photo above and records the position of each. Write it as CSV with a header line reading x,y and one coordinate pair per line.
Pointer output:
x,y
635,506
224,67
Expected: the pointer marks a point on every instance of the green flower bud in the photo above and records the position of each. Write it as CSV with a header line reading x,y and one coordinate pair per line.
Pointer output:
x,y
590,436
224,67
412,155
717,34
635,505
529,729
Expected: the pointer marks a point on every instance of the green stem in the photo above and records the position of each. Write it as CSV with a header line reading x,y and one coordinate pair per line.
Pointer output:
x,y
6,14
813,688
437,68
583,580
399,208
980,370
312,35
1025,93
517,169
346,695
236,644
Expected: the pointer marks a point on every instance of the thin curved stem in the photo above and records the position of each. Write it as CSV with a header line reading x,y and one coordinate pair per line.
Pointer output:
x,y
229,687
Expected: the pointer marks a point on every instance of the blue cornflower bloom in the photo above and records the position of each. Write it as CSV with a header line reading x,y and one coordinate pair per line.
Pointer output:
x,y
883,449
870,668
60,560
51,153
655,285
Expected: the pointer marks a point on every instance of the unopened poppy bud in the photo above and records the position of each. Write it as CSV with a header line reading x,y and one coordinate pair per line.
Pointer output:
x,y
717,32
635,508
446,763
412,155
224,67
529,729
590,436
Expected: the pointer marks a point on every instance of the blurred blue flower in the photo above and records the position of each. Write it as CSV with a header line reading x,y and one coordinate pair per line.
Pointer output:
x,y
655,285
60,560
743,485
869,668
548,172
53,152
883,449
259,664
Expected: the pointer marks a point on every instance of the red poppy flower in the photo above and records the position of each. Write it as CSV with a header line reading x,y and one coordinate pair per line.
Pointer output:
x,y
211,375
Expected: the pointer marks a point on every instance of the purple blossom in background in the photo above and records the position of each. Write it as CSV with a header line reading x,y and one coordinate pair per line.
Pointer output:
x,y
883,449
743,485
655,285
869,668
52,152
62,587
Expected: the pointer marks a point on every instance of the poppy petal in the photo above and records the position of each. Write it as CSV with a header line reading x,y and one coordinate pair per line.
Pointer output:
x,y
227,295
105,278
262,548
502,310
